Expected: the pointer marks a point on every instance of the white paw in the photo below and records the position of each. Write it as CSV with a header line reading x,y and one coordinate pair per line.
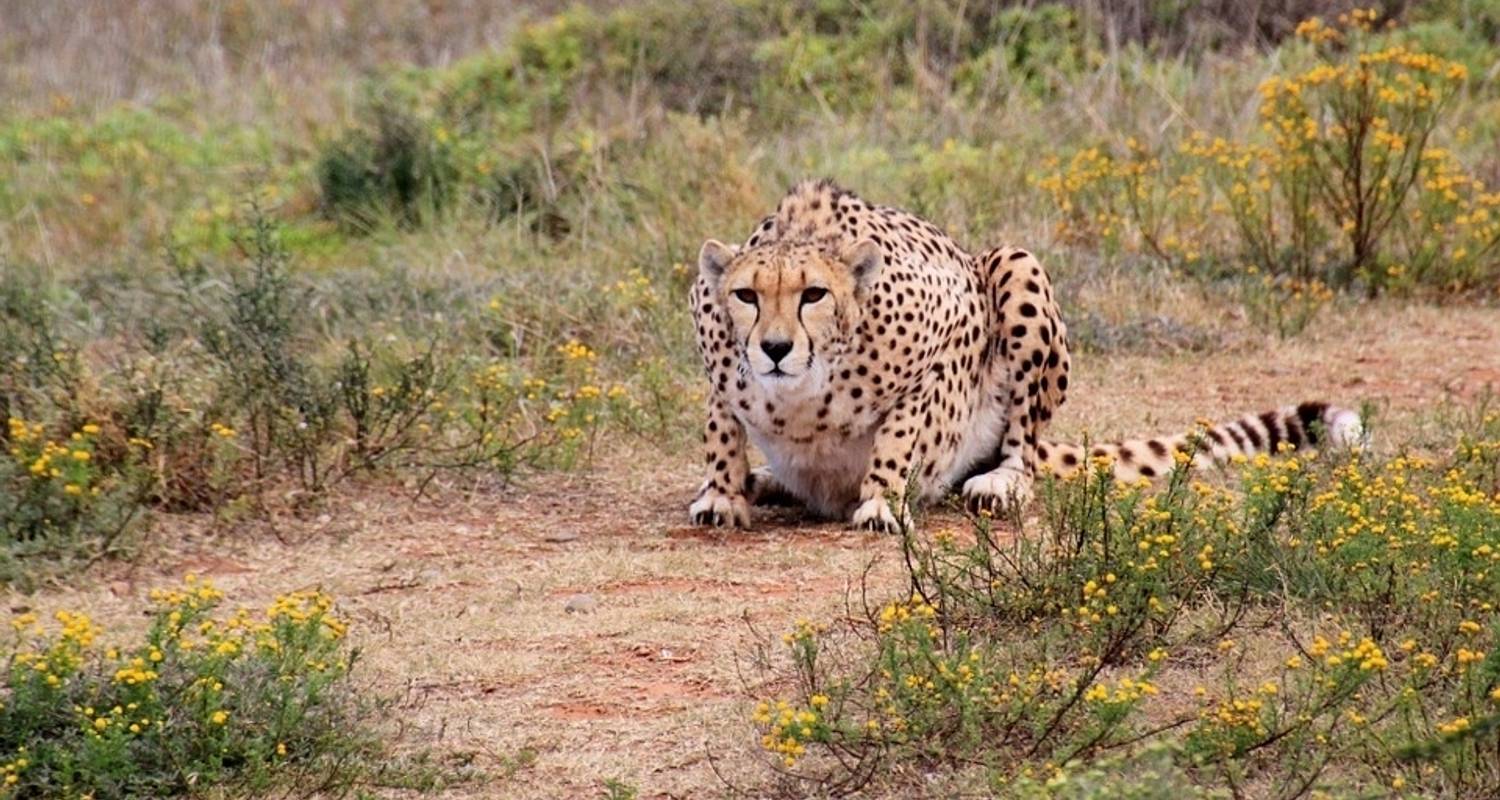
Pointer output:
x,y
1345,430
875,515
997,489
719,510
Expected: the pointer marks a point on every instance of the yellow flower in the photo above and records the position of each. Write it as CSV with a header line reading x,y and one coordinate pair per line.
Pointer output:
x,y
219,717
1456,726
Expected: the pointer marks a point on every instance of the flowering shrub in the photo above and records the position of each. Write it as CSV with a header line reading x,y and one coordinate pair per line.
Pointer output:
x,y
1330,623
203,698
55,494
230,394
1342,183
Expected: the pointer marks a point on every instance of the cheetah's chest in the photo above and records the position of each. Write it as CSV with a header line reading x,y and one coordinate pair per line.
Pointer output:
x,y
922,342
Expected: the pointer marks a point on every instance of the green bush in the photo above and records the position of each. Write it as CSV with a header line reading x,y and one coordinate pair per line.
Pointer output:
x,y
64,497
67,489
397,168
241,701
427,141
1338,616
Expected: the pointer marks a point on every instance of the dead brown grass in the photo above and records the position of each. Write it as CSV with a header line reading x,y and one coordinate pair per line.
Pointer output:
x,y
459,602
100,52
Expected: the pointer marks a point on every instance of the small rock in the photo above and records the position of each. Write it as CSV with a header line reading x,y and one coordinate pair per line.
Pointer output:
x,y
559,537
581,604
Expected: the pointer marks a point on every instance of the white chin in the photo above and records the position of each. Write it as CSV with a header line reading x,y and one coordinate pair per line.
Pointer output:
x,y
781,381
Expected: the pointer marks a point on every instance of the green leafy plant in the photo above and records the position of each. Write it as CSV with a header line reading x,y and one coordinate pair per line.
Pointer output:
x,y
204,697
1337,616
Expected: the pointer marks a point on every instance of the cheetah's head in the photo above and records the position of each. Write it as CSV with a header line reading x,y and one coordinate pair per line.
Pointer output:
x,y
793,308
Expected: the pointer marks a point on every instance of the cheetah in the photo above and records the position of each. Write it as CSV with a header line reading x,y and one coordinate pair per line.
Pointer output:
x,y
859,348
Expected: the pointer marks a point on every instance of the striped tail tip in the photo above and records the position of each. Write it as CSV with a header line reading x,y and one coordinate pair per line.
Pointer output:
x,y
1344,428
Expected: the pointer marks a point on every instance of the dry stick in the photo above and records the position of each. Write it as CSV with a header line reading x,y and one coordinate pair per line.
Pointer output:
x,y
1411,178
1144,735
713,766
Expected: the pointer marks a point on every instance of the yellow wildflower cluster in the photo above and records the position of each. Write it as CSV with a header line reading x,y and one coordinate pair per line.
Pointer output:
x,y
1126,690
1394,561
1454,727
635,290
1243,713
1344,148
120,718
10,771
195,594
1314,30
899,612
1366,655
65,464
574,350
191,672
1095,605
804,632
789,729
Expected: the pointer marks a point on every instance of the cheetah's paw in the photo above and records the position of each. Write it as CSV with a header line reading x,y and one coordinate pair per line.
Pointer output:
x,y
719,510
997,489
875,514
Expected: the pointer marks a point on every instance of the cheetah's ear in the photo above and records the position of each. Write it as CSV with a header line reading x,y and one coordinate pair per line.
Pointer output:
x,y
714,258
865,262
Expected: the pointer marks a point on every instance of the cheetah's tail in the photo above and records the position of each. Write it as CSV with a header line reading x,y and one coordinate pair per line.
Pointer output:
x,y
1308,424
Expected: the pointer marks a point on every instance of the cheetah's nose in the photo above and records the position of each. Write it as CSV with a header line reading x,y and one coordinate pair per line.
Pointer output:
x,y
775,350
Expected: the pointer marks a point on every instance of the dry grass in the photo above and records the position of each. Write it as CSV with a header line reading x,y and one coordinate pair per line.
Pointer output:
x,y
102,52
459,602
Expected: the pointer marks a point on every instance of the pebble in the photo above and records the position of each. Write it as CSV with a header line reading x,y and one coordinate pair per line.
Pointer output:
x,y
581,604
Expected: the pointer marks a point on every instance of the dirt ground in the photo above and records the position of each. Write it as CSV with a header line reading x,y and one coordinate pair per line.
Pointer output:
x,y
460,604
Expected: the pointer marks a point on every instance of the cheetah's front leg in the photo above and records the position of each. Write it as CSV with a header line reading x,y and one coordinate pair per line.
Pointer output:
x,y
891,463
721,501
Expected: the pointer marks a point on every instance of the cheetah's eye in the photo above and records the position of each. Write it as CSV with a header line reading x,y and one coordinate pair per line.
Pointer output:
x,y
813,295
746,296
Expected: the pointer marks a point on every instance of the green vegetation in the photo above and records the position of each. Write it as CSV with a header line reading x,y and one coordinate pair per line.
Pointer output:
x,y
203,699
232,297
603,146
1329,626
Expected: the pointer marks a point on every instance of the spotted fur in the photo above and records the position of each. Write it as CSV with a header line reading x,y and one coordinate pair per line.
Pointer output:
x,y
860,348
